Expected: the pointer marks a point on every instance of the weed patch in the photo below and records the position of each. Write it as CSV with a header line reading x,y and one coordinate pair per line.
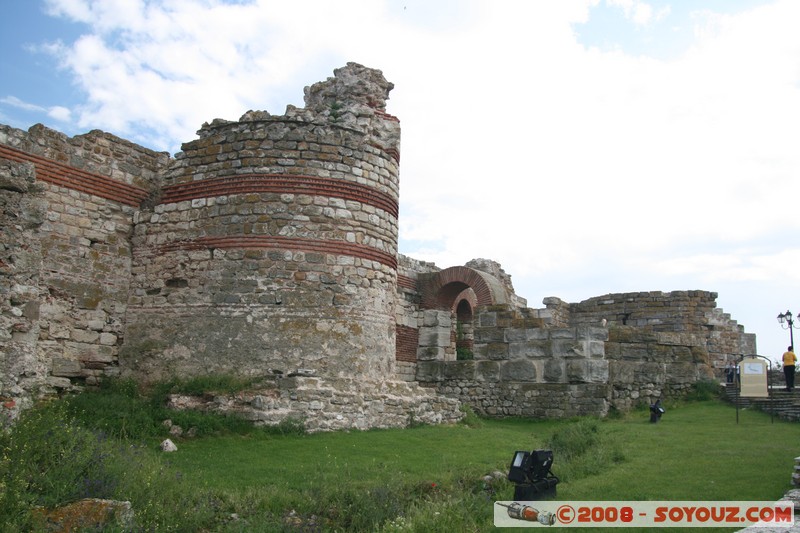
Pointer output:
x,y
705,390
48,459
120,409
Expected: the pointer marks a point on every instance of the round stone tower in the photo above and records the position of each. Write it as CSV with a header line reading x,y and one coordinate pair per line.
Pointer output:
x,y
273,245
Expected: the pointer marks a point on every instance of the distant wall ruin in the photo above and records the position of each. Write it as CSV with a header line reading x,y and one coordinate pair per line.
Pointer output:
x,y
613,351
268,248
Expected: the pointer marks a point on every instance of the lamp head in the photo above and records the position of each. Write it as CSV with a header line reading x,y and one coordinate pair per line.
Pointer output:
x,y
530,466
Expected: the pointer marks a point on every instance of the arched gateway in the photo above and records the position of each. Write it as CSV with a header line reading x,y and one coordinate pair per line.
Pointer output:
x,y
450,298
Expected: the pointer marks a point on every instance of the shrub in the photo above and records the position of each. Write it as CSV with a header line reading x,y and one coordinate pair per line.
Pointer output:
x,y
705,390
218,383
290,425
116,409
574,439
580,450
471,419
464,354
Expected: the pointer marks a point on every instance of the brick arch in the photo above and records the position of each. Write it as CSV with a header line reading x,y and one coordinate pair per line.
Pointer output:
x,y
468,296
444,288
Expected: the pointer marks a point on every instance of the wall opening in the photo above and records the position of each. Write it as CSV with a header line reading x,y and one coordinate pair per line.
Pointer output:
x,y
464,331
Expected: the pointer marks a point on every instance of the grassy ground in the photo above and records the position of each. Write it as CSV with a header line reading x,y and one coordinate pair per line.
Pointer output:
x,y
418,479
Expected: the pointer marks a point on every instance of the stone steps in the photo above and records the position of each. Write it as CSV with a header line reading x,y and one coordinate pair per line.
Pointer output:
x,y
784,405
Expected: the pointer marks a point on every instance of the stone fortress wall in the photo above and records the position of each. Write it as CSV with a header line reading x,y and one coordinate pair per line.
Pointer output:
x,y
268,248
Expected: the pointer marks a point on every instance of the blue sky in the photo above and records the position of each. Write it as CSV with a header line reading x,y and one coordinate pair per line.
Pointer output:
x,y
589,146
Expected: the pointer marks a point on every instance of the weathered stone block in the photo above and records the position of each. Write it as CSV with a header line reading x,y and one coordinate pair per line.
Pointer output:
x,y
434,336
634,351
568,348
537,334
434,318
533,349
597,371
682,373
596,348
58,382
459,370
89,352
650,372
489,335
621,372
430,353
518,370
66,368
487,371
563,333
487,319
430,371
554,370
108,339
587,371
592,333
495,350
514,334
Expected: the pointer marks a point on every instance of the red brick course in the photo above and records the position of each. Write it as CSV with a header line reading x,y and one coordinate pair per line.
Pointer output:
x,y
280,183
76,179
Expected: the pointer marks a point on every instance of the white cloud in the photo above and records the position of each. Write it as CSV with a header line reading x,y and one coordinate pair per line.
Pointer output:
x,y
20,104
59,113
640,13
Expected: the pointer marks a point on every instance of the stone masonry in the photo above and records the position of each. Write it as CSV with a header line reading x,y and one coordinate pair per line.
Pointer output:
x,y
267,248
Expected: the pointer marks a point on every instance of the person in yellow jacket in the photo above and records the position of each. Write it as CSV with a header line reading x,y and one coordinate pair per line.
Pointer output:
x,y
789,360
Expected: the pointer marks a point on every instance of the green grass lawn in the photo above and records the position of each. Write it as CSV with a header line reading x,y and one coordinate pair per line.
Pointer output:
x,y
360,458
697,451
427,478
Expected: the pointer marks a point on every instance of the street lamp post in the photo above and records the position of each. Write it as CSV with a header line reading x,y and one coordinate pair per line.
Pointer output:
x,y
787,318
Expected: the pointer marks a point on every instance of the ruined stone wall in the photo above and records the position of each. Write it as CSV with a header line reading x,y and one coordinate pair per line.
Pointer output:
x,y
78,286
408,314
522,368
692,312
662,343
647,365
273,247
331,404
581,357
267,247
22,210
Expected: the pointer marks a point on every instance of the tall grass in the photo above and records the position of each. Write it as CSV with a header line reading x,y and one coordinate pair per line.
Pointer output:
x,y
104,444
48,459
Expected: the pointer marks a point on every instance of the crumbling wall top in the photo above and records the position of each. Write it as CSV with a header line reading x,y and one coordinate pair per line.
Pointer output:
x,y
351,86
354,99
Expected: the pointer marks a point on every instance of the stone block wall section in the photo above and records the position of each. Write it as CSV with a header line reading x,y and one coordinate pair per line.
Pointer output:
x,y
523,368
691,312
83,193
567,350
326,405
22,212
408,314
